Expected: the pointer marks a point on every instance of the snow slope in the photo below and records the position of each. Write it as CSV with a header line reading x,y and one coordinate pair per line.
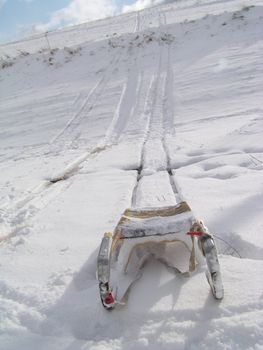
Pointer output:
x,y
179,87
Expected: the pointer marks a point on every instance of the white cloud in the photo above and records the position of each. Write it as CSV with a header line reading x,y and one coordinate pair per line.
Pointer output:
x,y
142,4
78,11
81,11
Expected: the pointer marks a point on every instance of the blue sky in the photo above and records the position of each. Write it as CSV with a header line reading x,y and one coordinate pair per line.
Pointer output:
x,y
19,18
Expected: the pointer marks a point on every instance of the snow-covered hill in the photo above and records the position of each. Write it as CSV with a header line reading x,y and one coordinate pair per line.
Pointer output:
x,y
188,73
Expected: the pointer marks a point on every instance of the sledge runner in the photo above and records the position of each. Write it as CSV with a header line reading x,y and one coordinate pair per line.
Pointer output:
x,y
170,234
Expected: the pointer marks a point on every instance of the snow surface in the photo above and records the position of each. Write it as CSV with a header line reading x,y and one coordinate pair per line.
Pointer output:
x,y
176,87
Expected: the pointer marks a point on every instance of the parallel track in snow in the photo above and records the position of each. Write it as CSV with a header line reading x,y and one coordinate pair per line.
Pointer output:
x,y
70,132
159,123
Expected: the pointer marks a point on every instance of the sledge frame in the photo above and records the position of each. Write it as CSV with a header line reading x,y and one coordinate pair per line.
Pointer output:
x,y
148,229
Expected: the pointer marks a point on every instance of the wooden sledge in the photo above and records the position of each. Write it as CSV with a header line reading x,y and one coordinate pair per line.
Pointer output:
x,y
168,234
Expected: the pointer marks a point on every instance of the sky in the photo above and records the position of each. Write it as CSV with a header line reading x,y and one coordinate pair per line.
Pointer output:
x,y
21,18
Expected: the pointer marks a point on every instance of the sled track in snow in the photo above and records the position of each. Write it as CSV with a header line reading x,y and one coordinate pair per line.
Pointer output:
x,y
160,119
137,22
128,102
89,102
160,102
16,215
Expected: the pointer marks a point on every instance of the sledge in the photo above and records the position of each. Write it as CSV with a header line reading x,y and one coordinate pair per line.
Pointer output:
x,y
170,234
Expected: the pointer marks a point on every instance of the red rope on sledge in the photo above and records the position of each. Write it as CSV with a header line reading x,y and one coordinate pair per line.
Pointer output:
x,y
194,233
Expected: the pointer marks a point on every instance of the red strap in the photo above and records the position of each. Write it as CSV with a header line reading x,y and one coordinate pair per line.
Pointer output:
x,y
194,233
109,299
